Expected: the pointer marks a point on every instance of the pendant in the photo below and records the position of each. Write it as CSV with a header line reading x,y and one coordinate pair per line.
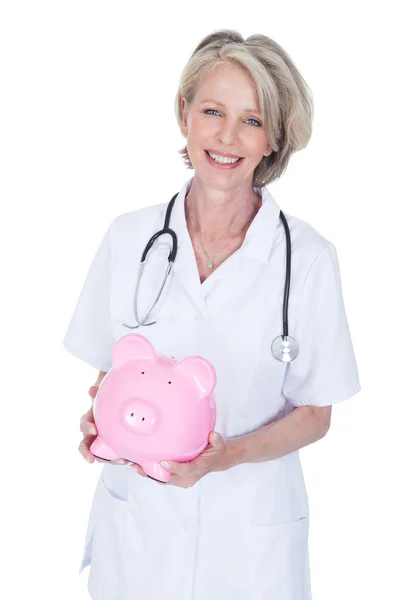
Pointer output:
x,y
210,265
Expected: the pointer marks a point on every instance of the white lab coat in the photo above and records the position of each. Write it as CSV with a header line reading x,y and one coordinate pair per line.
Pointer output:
x,y
241,533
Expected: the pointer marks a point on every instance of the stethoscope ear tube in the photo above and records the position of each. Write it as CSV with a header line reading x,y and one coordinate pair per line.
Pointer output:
x,y
166,229
174,250
171,258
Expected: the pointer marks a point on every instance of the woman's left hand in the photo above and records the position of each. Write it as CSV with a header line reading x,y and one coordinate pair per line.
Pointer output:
x,y
213,458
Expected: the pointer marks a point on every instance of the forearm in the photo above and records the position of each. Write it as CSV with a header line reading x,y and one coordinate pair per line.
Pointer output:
x,y
299,428
94,388
100,377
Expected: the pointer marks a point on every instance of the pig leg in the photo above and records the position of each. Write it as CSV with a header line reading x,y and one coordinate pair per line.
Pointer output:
x,y
101,450
156,471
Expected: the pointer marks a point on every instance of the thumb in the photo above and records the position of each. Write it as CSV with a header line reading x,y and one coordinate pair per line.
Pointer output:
x,y
93,391
216,438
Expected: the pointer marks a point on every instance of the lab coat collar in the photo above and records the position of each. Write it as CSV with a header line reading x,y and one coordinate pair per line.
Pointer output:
x,y
261,233
256,246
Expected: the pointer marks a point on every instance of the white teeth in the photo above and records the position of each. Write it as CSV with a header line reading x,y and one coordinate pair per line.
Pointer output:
x,y
224,160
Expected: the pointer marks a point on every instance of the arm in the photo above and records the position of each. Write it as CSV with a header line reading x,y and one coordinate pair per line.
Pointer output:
x,y
95,387
303,426
100,377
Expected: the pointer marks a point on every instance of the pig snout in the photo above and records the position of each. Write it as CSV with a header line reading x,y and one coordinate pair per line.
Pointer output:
x,y
139,415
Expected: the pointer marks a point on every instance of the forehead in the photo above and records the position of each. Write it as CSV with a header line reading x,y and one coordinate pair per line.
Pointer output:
x,y
227,83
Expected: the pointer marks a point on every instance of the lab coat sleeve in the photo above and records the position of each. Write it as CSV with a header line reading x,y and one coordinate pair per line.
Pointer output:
x,y
89,335
325,370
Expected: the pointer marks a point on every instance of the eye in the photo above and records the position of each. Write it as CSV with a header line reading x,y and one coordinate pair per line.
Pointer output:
x,y
210,110
255,121
213,110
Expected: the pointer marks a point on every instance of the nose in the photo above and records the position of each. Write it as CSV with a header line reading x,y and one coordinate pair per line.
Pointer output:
x,y
227,133
139,416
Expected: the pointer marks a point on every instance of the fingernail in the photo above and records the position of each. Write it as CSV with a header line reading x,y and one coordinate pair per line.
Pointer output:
x,y
92,430
120,461
165,465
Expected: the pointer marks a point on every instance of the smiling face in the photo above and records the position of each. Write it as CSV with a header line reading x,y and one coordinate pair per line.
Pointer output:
x,y
224,119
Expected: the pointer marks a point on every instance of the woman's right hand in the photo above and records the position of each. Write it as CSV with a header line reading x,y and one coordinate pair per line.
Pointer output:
x,y
89,431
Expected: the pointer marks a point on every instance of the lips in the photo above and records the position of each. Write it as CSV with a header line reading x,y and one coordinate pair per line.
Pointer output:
x,y
223,166
224,154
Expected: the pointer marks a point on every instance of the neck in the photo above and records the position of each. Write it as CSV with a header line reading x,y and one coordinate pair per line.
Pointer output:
x,y
219,214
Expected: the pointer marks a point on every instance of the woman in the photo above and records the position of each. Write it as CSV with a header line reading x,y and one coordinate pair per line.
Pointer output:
x,y
233,523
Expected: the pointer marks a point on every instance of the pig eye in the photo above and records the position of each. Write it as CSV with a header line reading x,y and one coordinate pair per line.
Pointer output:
x,y
142,372
169,381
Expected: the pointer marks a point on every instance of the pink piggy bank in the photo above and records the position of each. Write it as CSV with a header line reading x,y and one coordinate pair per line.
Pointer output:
x,y
150,408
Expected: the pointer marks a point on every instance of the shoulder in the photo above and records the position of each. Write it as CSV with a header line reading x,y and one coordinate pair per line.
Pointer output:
x,y
307,243
305,237
137,220
312,254
133,229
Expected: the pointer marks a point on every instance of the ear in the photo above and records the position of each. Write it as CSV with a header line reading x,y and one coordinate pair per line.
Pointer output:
x,y
184,127
268,151
131,346
200,371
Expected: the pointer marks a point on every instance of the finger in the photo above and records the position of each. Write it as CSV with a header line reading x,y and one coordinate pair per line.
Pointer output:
x,y
119,461
182,469
87,427
215,438
138,469
84,448
93,391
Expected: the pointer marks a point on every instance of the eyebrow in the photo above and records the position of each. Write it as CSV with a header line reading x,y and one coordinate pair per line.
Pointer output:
x,y
250,110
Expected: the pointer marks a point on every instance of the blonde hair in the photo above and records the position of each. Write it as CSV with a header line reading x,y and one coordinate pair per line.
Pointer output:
x,y
285,100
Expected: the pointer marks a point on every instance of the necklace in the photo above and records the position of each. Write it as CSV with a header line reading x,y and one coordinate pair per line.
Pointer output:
x,y
211,259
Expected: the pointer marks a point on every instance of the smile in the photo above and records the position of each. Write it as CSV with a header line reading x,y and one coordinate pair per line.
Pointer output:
x,y
223,161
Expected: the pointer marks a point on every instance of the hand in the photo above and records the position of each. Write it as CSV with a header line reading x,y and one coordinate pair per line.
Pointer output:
x,y
89,430
213,458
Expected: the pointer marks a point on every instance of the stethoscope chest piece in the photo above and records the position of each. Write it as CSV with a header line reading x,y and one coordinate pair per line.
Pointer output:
x,y
284,348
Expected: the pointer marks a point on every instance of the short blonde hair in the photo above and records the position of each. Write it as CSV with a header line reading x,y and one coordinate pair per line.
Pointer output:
x,y
285,99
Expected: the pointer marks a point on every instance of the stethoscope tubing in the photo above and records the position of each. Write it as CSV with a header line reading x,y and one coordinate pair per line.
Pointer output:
x,y
284,348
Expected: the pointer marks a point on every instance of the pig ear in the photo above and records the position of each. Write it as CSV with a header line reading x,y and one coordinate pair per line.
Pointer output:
x,y
201,371
131,346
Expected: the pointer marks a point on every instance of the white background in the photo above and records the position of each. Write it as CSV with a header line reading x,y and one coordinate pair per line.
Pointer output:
x,y
88,132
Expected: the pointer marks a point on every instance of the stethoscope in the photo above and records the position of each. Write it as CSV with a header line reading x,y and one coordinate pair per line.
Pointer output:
x,y
283,347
